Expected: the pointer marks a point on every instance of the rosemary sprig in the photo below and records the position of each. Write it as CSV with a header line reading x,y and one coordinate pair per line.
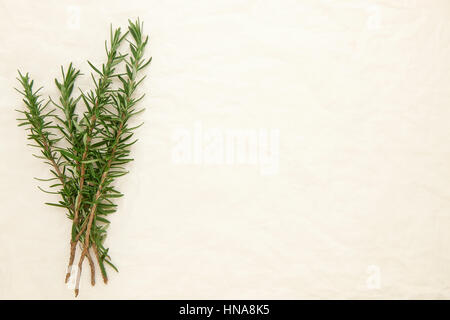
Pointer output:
x,y
95,102
116,149
39,123
88,151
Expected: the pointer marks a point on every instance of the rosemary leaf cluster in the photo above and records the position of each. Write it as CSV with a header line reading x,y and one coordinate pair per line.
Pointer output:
x,y
87,150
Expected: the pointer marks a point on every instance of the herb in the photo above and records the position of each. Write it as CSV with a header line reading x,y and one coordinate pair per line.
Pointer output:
x,y
87,151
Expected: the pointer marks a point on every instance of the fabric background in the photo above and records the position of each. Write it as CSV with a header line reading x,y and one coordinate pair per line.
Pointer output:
x,y
359,206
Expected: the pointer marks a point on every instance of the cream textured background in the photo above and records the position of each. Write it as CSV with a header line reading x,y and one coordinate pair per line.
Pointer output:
x,y
360,91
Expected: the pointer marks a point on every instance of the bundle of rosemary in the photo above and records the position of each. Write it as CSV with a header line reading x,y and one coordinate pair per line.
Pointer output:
x,y
87,150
